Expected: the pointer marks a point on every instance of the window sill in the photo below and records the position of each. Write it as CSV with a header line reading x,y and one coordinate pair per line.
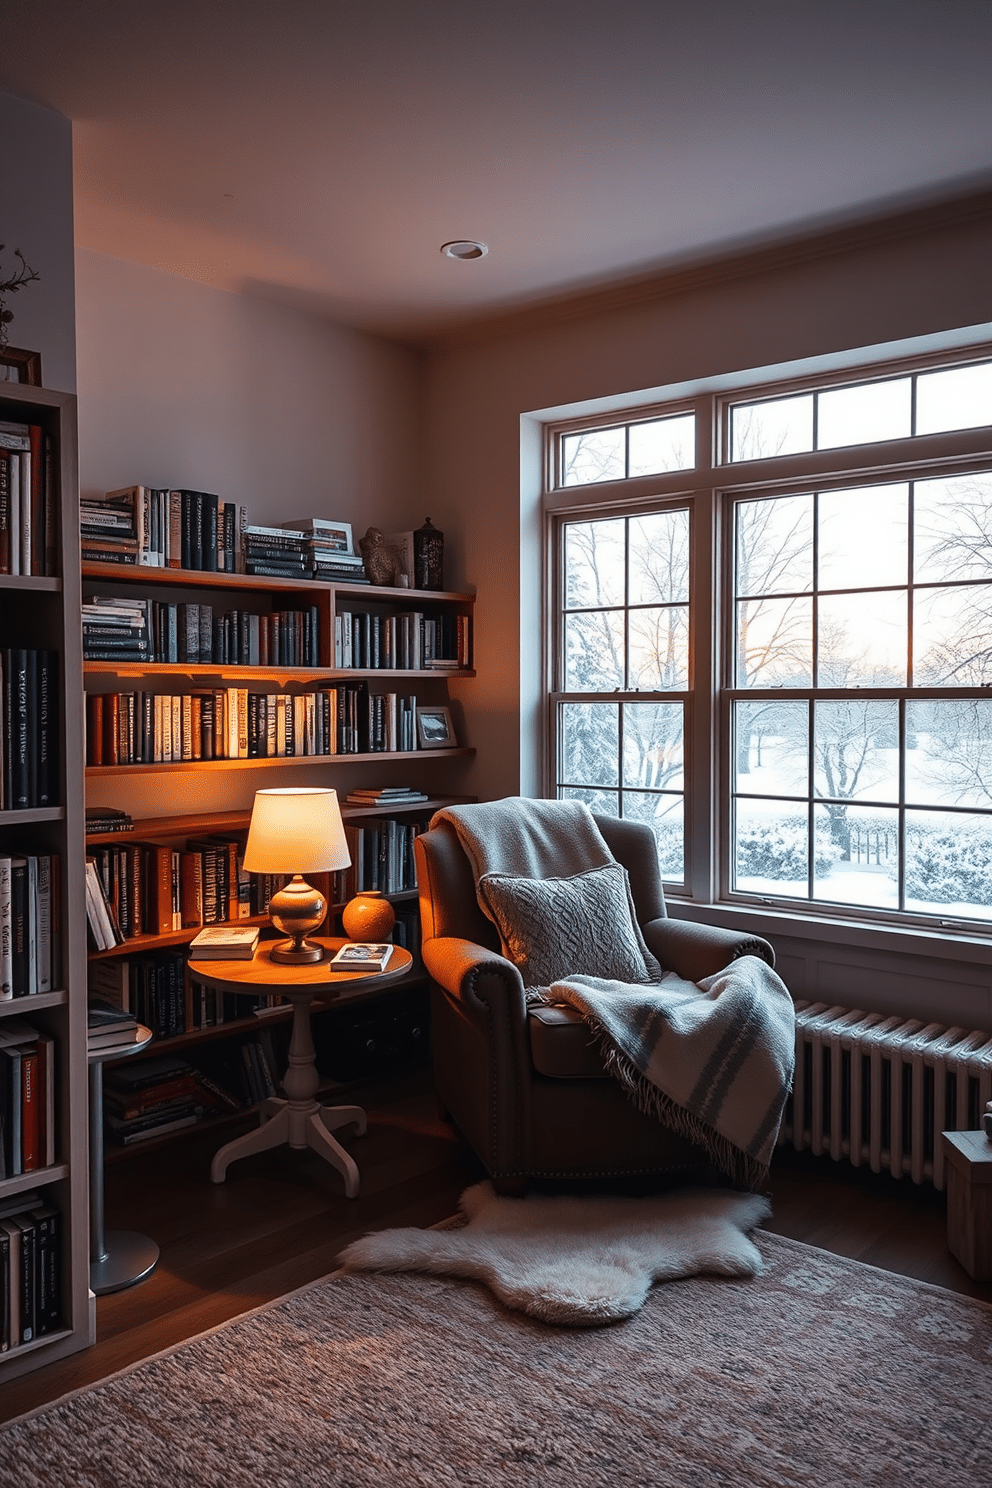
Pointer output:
x,y
948,945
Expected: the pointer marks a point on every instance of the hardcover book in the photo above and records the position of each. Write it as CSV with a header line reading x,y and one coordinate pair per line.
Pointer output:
x,y
225,943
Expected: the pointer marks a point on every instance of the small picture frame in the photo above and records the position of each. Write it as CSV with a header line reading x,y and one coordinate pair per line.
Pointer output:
x,y
435,729
20,366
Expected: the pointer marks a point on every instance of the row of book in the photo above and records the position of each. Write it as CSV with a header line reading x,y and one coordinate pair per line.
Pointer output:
x,y
410,641
150,888
27,1098
381,858
154,528
30,939
30,1269
30,729
162,992
131,630
139,728
28,500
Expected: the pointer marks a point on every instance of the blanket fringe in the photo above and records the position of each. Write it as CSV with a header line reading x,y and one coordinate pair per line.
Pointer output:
x,y
744,1171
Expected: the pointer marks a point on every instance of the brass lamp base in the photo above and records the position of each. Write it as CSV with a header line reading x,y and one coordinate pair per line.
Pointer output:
x,y
295,910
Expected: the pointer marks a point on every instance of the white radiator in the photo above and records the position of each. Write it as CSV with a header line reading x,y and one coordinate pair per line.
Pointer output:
x,y
879,1091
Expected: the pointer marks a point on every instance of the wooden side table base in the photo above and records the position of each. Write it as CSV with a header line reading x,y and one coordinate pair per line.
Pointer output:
x,y
301,1126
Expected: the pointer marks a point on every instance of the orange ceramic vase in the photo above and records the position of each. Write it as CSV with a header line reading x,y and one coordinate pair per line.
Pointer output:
x,y
369,916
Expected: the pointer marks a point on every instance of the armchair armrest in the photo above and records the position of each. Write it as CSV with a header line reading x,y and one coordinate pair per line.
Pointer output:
x,y
695,951
486,986
483,1072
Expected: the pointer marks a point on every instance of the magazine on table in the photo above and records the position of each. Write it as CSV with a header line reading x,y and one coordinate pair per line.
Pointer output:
x,y
363,955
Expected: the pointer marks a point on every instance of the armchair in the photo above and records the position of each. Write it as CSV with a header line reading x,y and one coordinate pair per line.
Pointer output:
x,y
526,1086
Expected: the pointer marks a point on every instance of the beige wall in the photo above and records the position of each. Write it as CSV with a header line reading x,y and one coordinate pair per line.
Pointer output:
x,y
184,385
485,486
36,216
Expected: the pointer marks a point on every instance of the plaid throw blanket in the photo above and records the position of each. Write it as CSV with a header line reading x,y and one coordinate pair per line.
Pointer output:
x,y
711,1060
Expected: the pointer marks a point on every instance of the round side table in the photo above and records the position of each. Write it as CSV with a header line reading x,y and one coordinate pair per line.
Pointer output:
x,y
122,1257
300,1120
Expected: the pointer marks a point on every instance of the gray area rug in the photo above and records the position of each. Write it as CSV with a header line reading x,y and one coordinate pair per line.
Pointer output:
x,y
816,1374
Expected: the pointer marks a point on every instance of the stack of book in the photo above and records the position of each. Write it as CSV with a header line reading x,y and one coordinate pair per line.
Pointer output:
x,y
100,819
151,1098
30,939
29,729
27,1098
330,549
108,531
30,1269
386,795
27,500
277,553
225,943
116,630
110,1027
156,528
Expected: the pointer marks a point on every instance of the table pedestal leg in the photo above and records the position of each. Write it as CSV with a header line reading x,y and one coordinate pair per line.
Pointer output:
x,y
300,1121
120,1258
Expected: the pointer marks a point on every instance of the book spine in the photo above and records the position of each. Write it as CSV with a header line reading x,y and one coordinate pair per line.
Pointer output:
x,y
6,964
30,1115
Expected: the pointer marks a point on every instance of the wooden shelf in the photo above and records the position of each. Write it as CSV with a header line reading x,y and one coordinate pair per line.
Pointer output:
x,y
233,676
185,578
283,762
45,583
14,1005
204,823
32,814
37,1178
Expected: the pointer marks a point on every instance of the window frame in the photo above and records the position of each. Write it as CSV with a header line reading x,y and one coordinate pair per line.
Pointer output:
x,y
710,490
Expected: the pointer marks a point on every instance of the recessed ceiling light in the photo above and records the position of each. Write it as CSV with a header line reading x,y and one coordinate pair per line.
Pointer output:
x,y
465,249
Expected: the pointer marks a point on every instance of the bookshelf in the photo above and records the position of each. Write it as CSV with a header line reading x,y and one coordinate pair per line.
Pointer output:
x,y
444,618
39,611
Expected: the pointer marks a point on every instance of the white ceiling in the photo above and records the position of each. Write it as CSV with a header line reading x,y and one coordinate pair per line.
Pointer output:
x,y
320,151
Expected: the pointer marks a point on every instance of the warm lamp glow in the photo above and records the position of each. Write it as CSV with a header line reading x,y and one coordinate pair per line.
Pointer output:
x,y
296,831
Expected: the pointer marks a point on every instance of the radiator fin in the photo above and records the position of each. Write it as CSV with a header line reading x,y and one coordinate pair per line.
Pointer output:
x,y
880,1090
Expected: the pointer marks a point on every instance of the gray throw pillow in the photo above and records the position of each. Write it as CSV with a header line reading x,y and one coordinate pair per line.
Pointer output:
x,y
555,927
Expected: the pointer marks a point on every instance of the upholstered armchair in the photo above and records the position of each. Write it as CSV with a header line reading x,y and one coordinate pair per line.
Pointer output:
x,y
527,1086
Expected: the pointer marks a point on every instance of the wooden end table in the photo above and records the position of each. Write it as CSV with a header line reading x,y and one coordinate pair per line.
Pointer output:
x,y
968,1159
300,1120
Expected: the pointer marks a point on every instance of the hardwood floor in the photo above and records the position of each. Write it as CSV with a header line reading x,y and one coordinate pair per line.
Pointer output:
x,y
281,1219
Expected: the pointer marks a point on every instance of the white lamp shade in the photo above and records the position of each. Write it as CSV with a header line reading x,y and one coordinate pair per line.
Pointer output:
x,y
296,831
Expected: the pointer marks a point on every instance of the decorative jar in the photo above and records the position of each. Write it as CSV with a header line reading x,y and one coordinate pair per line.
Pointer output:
x,y
369,916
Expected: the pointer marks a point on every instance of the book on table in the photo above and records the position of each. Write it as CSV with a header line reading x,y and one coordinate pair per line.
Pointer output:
x,y
225,943
361,955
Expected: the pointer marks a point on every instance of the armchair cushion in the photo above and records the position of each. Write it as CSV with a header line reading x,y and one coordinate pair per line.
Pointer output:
x,y
555,927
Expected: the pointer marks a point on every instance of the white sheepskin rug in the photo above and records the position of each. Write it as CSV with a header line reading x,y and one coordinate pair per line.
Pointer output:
x,y
577,1261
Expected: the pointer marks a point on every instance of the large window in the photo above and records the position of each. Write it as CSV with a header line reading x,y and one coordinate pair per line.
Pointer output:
x,y
820,628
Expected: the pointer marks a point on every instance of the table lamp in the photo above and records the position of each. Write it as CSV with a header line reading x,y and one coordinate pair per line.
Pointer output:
x,y
296,831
